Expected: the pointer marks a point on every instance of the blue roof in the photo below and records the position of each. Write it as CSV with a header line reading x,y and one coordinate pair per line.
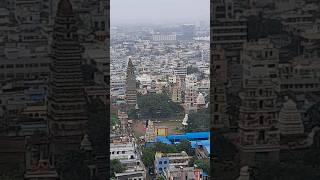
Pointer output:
x,y
198,135
196,139
177,137
204,174
163,139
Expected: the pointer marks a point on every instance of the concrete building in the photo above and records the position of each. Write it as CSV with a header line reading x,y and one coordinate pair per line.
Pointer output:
x,y
123,151
164,37
229,30
201,103
178,159
260,59
134,175
161,163
191,93
176,91
300,75
185,173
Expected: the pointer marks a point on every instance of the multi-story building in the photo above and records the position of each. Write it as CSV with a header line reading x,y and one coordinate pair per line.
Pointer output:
x,y
191,93
260,59
123,151
176,91
163,161
164,37
137,175
229,30
300,75
185,173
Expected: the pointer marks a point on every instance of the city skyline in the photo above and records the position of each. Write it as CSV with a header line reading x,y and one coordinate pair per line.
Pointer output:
x,y
152,12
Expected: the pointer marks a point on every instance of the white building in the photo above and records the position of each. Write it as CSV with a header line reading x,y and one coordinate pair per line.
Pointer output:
x,y
164,37
290,122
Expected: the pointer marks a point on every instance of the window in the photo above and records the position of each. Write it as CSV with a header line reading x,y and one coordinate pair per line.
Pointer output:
x,y
123,152
262,135
160,162
19,65
261,120
160,169
118,152
103,25
261,104
165,162
9,65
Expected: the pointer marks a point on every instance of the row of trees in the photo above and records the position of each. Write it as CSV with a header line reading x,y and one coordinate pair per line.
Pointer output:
x,y
156,105
199,121
116,167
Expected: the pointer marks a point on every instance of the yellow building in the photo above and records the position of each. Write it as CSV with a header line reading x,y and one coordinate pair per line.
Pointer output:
x,y
162,131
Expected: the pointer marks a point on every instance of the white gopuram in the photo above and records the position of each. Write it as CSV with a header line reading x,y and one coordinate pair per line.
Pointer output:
x,y
290,122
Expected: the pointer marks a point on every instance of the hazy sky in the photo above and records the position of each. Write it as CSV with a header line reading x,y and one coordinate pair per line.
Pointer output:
x,y
159,11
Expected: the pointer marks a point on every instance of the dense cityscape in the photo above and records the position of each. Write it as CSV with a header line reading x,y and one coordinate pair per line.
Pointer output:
x,y
265,95
162,92
159,90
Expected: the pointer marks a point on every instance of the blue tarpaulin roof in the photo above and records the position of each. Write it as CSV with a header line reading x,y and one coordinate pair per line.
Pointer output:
x,y
163,139
177,137
189,136
196,139
198,135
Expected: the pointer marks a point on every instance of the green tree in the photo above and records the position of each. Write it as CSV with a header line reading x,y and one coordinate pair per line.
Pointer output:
x,y
185,145
198,121
114,119
203,164
148,156
191,162
116,167
158,105
166,148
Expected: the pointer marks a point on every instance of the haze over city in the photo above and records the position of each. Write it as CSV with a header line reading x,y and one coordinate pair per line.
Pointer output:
x,y
159,11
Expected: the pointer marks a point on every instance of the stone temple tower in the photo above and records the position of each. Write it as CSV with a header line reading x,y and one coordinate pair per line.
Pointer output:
x,y
67,116
258,121
131,91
